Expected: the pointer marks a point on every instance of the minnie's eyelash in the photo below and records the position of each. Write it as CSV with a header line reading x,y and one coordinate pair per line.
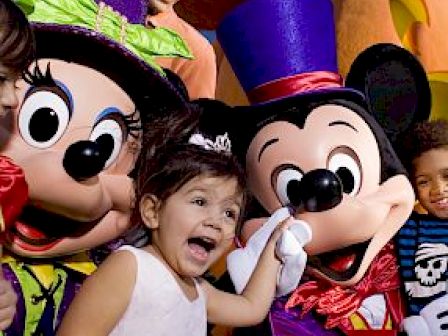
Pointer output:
x,y
38,78
133,124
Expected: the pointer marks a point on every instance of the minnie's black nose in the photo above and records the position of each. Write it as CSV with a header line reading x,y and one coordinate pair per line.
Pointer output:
x,y
83,159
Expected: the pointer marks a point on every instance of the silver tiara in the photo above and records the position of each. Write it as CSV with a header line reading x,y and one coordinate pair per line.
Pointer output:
x,y
221,144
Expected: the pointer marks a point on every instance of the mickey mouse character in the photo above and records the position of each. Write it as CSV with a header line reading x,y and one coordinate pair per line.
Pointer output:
x,y
313,149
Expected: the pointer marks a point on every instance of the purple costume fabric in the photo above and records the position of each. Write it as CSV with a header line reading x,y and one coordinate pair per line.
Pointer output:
x,y
290,323
134,13
72,284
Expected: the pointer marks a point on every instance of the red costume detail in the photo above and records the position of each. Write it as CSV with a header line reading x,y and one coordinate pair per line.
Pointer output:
x,y
291,85
338,303
13,190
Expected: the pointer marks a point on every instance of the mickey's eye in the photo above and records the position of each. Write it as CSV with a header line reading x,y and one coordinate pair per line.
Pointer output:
x,y
43,118
345,164
287,185
109,133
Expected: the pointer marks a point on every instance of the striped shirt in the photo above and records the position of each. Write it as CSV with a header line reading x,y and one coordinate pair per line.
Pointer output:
x,y
422,245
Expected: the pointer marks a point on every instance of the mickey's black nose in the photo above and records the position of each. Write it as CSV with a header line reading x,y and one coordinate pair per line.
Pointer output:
x,y
318,190
83,159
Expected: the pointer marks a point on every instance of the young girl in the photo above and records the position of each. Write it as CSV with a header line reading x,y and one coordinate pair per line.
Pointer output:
x,y
190,196
16,51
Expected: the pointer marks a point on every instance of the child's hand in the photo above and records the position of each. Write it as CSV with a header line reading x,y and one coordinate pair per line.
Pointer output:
x,y
8,300
297,233
289,250
241,262
286,236
279,234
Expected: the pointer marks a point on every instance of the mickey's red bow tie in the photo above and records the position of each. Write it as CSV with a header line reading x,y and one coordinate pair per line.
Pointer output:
x,y
337,302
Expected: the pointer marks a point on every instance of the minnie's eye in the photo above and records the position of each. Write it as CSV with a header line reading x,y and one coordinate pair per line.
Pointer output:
x,y
287,186
108,134
43,118
348,170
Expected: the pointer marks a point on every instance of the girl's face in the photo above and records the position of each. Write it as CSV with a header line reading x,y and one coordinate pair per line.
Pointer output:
x,y
195,226
8,98
431,181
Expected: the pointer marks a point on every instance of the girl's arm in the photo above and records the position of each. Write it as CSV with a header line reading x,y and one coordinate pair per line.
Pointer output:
x,y
103,298
252,306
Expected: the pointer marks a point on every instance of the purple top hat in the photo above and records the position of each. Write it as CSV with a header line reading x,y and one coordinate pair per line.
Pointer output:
x,y
281,48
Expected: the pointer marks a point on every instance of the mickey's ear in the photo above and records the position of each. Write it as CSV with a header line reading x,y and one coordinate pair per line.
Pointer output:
x,y
215,116
219,119
395,86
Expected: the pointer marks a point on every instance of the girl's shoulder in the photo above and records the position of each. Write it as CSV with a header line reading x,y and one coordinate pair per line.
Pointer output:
x,y
145,262
129,250
140,253
122,260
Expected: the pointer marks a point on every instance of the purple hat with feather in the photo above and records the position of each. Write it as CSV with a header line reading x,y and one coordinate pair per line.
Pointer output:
x,y
108,36
279,49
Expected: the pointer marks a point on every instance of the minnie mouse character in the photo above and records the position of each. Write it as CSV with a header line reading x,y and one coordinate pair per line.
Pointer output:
x,y
84,108
313,149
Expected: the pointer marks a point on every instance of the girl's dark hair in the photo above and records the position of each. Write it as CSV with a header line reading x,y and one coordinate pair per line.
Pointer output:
x,y
177,164
423,137
16,37
168,161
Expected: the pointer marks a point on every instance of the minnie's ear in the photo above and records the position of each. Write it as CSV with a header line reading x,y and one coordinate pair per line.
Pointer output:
x,y
395,86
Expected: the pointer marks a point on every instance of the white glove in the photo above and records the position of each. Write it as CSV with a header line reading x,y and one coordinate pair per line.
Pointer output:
x,y
289,250
431,320
241,262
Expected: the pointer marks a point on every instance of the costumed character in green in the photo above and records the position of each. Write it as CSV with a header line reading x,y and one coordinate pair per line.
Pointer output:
x,y
84,107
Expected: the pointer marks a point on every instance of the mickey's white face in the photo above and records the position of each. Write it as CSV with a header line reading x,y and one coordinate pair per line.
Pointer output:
x,y
73,136
336,156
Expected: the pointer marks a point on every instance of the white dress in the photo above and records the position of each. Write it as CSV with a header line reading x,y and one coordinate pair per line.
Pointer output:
x,y
158,305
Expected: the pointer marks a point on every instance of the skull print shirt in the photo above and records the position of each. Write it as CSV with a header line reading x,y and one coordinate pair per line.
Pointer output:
x,y
422,245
